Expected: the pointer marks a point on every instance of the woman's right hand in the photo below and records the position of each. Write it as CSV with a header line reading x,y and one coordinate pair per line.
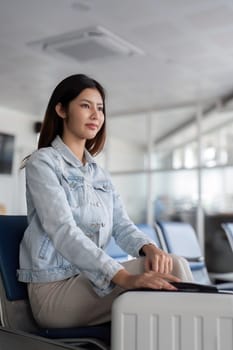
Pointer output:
x,y
150,279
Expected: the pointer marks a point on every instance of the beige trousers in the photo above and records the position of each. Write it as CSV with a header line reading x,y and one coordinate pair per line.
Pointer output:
x,y
73,302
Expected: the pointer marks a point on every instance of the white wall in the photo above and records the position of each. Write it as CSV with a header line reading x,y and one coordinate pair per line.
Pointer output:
x,y
124,155
127,156
12,187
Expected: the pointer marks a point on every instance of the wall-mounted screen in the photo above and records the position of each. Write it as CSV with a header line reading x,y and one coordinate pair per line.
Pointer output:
x,y
7,142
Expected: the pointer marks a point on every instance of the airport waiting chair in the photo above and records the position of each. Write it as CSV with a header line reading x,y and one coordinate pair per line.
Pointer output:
x,y
228,229
151,232
115,251
15,309
180,239
12,340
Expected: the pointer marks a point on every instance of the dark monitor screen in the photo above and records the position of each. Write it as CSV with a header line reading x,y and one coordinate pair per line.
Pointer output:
x,y
7,142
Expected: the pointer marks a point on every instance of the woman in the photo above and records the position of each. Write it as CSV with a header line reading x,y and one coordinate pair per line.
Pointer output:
x,y
73,210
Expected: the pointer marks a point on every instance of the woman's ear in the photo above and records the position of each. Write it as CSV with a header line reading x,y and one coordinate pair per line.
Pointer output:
x,y
60,110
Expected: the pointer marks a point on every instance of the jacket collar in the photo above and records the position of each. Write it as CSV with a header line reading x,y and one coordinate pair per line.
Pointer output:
x,y
68,155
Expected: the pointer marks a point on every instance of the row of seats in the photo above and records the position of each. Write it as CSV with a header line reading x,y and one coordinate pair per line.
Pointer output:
x,y
178,238
173,237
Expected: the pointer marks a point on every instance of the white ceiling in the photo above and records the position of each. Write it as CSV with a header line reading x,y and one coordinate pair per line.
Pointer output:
x,y
187,45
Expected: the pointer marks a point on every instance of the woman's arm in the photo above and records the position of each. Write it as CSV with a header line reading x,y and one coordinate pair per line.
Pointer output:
x,y
132,240
125,232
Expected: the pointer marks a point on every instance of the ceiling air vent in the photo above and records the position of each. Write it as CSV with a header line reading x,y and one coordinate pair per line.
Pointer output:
x,y
88,44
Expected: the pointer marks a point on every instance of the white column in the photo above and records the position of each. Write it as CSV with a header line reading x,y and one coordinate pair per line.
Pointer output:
x,y
149,137
107,150
200,212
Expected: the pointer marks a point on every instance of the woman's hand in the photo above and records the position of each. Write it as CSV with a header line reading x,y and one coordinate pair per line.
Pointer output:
x,y
151,279
157,260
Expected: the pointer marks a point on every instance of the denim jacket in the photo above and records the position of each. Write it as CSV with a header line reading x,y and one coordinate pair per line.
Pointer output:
x,y
73,209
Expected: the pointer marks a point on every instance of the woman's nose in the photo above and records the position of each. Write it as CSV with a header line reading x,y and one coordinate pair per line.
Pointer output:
x,y
94,112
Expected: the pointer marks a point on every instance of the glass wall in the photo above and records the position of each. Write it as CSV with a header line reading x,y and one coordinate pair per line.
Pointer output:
x,y
175,195
167,166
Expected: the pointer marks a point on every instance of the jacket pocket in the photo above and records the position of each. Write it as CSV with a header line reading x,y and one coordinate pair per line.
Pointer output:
x,y
44,248
103,186
77,190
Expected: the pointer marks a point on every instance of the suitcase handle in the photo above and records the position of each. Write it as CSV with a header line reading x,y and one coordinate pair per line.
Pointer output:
x,y
183,287
194,287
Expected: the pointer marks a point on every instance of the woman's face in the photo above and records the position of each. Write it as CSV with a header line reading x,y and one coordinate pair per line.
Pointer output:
x,y
84,116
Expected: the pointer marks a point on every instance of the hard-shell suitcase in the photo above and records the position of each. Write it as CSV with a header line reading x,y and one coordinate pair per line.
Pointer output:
x,y
161,320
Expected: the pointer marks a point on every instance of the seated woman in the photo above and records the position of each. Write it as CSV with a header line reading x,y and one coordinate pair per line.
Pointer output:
x,y
73,210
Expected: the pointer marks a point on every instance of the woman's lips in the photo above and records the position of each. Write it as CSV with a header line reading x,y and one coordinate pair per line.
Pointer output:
x,y
92,126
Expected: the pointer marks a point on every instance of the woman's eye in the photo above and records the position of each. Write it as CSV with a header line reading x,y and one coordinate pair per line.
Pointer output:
x,y
101,109
85,105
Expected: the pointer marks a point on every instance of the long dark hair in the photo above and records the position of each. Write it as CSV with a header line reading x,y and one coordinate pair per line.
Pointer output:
x,y
67,90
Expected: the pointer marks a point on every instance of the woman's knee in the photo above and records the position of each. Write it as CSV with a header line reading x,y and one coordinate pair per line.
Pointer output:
x,y
181,268
135,266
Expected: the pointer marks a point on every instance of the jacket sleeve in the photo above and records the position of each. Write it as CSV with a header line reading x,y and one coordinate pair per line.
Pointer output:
x,y
125,232
56,218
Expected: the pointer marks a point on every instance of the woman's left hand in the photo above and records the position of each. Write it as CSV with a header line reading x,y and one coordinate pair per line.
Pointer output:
x,y
157,260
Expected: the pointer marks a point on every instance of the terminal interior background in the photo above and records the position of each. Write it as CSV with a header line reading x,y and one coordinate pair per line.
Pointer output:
x,y
167,67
